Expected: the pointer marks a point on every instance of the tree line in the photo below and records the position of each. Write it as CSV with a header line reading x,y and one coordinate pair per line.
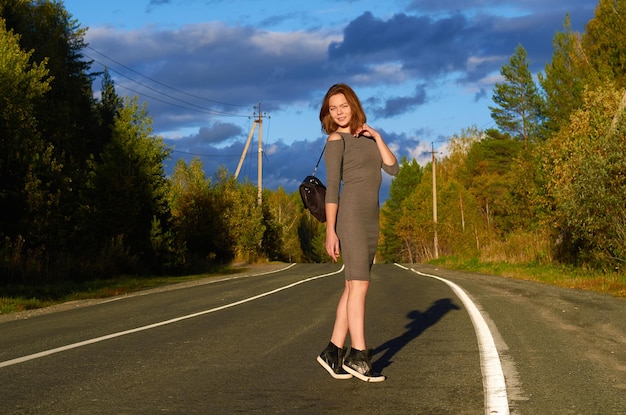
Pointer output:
x,y
84,194
549,183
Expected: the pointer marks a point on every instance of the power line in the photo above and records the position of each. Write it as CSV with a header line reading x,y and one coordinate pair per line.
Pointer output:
x,y
205,155
160,83
201,109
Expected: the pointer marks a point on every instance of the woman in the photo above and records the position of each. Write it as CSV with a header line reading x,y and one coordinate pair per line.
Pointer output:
x,y
355,154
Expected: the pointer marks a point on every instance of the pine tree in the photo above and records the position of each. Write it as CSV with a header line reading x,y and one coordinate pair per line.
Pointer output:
x,y
519,107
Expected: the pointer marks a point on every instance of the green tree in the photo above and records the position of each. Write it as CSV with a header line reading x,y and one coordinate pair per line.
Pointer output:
x,y
65,120
402,185
130,183
24,156
604,41
28,165
107,109
565,77
52,33
519,107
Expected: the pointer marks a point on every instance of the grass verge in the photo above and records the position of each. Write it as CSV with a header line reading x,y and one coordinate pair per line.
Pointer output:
x,y
613,283
16,298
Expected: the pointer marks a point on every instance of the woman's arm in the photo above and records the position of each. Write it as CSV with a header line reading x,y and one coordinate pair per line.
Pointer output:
x,y
332,240
389,159
333,157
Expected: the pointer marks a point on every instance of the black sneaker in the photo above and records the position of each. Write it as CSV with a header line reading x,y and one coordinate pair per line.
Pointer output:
x,y
331,359
357,363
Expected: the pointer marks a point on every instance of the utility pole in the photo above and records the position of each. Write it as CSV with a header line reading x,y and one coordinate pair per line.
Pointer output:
x,y
259,121
260,158
435,240
245,150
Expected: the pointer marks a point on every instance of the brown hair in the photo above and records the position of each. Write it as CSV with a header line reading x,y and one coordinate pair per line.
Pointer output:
x,y
358,115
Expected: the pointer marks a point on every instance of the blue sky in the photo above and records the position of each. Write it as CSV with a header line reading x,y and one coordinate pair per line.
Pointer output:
x,y
424,69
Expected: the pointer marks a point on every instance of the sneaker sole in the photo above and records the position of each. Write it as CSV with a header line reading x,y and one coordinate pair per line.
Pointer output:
x,y
369,379
331,371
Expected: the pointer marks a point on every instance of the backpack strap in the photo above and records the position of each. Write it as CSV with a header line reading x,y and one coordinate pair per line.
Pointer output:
x,y
322,153
318,160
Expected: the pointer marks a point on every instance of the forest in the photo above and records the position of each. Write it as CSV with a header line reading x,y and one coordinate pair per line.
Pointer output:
x,y
84,193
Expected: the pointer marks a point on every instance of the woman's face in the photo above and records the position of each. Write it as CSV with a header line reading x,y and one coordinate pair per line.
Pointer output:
x,y
340,111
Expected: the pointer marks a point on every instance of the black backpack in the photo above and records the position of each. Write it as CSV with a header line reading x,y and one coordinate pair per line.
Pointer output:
x,y
313,193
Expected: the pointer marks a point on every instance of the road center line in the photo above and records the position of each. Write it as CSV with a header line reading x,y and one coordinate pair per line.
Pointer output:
x,y
159,324
496,401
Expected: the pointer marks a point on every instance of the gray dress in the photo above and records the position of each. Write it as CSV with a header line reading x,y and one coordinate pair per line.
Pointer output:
x,y
354,164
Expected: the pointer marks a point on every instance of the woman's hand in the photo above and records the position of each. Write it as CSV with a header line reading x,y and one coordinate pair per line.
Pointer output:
x,y
388,157
367,131
332,245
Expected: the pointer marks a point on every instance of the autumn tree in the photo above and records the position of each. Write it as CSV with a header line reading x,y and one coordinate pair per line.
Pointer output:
x,y
284,215
486,173
312,236
414,227
197,221
584,166
239,210
461,229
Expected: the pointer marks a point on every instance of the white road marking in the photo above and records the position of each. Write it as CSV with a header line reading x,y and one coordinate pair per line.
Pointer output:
x,y
159,324
211,281
496,401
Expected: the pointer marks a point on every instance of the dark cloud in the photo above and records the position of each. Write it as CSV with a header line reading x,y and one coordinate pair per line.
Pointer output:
x,y
394,106
218,133
426,47
472,46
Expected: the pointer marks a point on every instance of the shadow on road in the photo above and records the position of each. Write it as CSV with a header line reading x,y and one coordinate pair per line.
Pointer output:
x,y
418,324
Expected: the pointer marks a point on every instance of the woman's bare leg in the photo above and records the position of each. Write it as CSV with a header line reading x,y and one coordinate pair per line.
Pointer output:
x,y
356,313
340,329
350,316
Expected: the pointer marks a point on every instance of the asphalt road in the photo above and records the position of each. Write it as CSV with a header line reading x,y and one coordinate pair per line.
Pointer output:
x,y
247,344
